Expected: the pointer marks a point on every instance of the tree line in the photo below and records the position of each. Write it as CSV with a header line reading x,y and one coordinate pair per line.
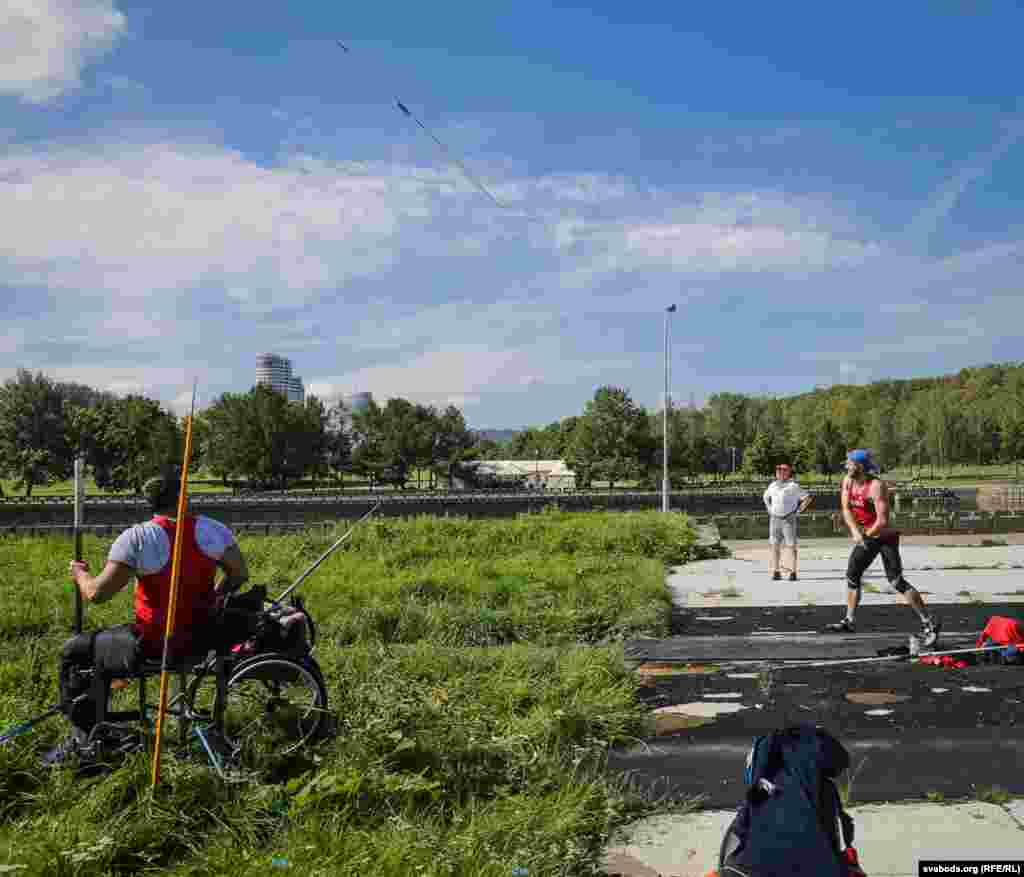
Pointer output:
x,y
975,416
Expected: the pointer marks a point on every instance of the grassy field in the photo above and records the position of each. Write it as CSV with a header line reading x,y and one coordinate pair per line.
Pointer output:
x,y
946,476
478,683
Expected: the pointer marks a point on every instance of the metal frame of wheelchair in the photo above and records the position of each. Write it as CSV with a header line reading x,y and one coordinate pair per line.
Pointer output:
x,y
209,714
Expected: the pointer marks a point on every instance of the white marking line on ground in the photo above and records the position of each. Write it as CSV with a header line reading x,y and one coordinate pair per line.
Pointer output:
x,y
974,688
878,712
714,618
742,675
940,690
725,695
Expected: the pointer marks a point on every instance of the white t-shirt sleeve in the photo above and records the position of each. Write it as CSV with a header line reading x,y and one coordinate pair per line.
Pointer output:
x,y
126,548
213,537
143,547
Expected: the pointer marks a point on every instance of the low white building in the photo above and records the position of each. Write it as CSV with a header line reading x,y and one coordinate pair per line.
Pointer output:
x,y
531,474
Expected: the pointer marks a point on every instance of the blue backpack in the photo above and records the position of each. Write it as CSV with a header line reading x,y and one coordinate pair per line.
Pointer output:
x,y
792,819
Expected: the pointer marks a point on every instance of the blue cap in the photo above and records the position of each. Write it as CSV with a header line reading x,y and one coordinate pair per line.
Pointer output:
x,y
862,456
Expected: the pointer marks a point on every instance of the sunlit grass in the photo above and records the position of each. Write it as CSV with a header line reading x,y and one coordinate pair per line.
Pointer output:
x,y
476,675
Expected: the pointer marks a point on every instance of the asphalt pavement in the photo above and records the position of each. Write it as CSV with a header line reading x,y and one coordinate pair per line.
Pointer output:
x,y
749,655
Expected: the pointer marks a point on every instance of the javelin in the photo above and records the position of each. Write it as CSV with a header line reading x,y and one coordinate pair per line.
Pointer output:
x,y
462,166
179,526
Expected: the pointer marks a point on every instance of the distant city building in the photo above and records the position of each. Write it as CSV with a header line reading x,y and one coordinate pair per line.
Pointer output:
x,y
276,372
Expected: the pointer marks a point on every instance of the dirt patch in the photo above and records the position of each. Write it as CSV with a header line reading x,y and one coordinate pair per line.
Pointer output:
x,y
875,698
659,668
673,723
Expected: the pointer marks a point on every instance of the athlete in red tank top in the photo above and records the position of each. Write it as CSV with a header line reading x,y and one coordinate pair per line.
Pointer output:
x,y
865,502
196,596
861,504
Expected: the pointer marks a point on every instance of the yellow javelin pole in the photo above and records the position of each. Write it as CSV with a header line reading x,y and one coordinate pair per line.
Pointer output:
x,y
173,597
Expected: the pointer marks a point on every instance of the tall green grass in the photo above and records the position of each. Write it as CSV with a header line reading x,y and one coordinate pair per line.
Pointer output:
x,y
477,679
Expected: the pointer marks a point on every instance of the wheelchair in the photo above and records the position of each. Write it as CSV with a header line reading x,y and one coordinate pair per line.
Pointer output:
x,y
257,694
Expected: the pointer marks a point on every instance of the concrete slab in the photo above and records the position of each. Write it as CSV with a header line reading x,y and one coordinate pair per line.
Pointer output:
x,y
891,839
954,575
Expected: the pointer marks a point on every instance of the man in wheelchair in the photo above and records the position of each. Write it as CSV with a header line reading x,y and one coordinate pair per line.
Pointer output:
x,y
144,551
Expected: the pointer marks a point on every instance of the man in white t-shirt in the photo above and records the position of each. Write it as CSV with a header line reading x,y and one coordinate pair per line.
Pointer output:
x,y
143,552
784,499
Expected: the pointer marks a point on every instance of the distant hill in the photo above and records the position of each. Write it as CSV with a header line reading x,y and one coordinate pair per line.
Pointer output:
x,y
497,435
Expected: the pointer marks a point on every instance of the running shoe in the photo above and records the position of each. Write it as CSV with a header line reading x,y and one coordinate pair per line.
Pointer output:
x,y
930,632
844,626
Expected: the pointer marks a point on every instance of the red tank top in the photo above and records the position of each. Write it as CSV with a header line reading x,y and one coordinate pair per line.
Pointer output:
x,y
195,595
862,506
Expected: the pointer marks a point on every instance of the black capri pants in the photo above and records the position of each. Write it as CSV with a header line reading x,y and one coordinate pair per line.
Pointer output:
x,y
863,555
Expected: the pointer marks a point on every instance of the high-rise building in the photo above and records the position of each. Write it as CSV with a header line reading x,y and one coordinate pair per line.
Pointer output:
x,y
276,372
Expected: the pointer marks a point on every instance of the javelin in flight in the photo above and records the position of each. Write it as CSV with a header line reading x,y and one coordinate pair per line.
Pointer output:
x,y
465,170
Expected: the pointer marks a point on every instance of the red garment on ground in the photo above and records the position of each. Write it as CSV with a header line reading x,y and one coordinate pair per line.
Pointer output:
x,y
1002,630
195,595
944,661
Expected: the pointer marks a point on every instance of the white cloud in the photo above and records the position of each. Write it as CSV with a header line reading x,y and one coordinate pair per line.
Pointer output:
x,y
388,278
45,44
471,371
130,220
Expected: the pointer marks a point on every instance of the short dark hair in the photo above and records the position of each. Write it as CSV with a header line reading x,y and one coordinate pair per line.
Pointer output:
x,y
161,491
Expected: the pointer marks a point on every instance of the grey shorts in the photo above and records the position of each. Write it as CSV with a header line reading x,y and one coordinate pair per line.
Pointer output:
x,y
782,530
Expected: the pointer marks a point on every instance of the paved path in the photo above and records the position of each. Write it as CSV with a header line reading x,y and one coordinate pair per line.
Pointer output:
x,y
913,731
958,574
890,838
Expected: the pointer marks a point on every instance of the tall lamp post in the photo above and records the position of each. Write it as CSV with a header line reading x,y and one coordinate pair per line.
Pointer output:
x,y
671,309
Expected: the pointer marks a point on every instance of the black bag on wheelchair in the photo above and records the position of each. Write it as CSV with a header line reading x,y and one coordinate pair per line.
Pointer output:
x,y
242,617
247,627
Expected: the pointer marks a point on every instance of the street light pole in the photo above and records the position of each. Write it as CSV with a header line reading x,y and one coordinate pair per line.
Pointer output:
x,y
671,309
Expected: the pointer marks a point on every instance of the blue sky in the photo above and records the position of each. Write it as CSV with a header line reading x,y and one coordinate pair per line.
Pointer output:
x,y
830,194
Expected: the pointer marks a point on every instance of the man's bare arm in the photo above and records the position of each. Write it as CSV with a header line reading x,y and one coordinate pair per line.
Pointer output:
x,y
880,494
236,571
851,521
98,589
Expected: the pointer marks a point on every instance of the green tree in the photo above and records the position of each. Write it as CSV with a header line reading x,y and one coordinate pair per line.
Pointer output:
x,y
338,441
1010,406
728,422
35,442
881,433
391,441
127,440
453,443
265,438
764,453
612,440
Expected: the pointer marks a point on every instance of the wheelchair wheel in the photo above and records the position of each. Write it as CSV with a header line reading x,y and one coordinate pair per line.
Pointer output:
x,y
274,705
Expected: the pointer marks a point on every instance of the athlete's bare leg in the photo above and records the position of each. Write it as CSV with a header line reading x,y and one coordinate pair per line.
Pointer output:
x,y
852,602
